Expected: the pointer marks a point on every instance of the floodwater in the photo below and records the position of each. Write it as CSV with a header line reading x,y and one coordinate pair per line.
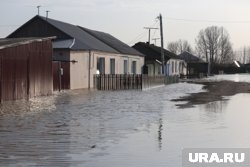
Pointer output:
x,y
119,128
231,77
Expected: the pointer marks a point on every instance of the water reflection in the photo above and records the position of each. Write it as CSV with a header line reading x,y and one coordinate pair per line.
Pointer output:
x,y
125,128
33,132
216,107
160,133
54,131
231,77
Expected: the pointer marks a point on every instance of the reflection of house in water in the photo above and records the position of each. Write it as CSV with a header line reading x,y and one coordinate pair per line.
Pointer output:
x,y
160,129
79,52
174,65
196,67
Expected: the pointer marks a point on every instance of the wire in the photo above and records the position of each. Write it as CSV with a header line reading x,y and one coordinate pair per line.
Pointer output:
x,y
206,21
141,35
154,33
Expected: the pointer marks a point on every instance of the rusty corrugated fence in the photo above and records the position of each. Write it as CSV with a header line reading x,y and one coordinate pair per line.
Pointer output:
x,y
26,70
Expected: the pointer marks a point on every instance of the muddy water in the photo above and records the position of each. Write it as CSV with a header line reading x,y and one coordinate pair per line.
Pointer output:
x,y
120,129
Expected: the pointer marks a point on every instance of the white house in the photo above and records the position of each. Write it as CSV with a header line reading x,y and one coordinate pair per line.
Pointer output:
x,y
174,65
79,53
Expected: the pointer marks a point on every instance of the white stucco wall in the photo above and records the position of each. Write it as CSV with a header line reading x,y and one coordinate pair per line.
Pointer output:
x,y
175,67
154,68
79,71
130,58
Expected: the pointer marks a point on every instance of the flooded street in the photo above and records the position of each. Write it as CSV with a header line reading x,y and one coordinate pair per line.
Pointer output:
x,y
120,128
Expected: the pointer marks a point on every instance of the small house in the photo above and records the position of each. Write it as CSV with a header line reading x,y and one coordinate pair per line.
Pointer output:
x,y
25,68
173,64
196,67
79,53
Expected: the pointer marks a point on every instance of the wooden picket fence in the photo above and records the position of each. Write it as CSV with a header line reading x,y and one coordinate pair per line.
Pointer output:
x,y
130,81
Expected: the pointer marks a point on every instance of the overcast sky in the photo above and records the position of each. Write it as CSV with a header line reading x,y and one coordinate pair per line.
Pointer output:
x,y
125,19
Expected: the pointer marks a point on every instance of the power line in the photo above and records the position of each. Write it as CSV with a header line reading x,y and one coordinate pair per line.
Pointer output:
x,y
149,32
155,32
141,35
155,39
207,21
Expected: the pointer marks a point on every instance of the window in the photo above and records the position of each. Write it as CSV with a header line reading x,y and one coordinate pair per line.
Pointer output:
x,y
101,65
176,67
159,70
112,66
125,66
172,67
133,67
180,67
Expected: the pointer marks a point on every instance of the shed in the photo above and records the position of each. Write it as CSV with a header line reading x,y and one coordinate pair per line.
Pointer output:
x,y
25,68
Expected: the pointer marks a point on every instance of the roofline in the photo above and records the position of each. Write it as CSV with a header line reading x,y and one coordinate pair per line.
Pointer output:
x,y
95,50
154,49
26,42
89,32
43,19
46,20
21,26
81,28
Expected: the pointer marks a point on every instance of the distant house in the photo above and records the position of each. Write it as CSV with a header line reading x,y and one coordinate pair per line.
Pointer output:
x,y
174,65
79,53
230,68
196,67
26,68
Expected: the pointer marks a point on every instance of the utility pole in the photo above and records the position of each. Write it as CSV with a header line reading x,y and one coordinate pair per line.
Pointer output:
x,y
149,30
155,39
38,10
162,45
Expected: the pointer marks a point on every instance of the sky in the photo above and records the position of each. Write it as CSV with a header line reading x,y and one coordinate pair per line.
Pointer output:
x,y
126,19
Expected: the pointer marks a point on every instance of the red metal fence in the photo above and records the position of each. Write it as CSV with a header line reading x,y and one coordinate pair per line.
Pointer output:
x,y
26,71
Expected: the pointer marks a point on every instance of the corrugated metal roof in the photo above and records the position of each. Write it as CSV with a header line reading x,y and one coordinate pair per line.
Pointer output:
x,y
147,51
12,42
153,52
62,44
188,57
113,42
83,40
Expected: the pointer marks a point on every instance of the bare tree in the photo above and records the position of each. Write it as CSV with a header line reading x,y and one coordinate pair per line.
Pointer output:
x,y
243,55
179,46
173,47
248,55
214,45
